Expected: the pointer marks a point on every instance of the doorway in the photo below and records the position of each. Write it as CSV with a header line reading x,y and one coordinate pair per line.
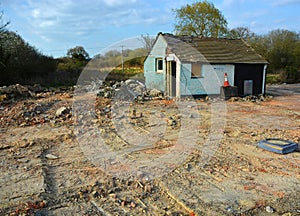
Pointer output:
x,y
173,79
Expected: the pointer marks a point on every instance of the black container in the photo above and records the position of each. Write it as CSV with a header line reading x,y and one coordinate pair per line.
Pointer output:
x,y
228,92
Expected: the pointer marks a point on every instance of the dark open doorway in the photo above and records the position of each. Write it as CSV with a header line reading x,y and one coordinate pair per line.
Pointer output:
x,y
173,78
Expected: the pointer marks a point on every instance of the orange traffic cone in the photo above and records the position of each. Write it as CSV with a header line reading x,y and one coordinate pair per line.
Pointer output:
x,y
226,83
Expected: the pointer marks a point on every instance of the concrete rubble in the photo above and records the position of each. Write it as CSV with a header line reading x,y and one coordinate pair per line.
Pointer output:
x,y
45,171
125,90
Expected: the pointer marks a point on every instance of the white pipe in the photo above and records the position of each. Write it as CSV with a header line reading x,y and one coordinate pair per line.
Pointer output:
x,y
178,74
264,79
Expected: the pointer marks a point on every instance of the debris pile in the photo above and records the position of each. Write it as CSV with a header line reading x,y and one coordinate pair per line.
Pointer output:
x,y
17,92
128,90
46,171
14,92
251,98
44,108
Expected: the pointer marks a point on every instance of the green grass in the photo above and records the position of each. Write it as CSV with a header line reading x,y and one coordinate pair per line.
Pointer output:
x,y
119,75
273,79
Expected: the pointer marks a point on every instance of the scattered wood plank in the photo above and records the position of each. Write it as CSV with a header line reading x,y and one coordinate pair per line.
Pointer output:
x,y
179,202
99,209
140,184
146,131
210,182
143,204
217,186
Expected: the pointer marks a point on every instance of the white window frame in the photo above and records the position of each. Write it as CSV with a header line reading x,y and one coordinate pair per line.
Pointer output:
x,y
201,70
157,64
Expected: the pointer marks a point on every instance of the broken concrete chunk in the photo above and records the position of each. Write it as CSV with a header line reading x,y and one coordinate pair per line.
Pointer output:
x,y
155,93
269,209
51,156
61,111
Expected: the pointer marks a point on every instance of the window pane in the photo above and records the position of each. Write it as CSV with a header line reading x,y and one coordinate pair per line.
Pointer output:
x,y
196,70
159,64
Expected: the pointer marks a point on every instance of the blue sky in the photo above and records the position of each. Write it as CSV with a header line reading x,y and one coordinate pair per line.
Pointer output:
x,y
54,26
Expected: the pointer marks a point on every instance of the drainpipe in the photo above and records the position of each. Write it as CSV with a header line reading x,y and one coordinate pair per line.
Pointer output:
x,y
165,73
264,79
178,74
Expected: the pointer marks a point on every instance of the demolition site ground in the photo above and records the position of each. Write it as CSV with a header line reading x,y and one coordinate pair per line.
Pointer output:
x,y
210,163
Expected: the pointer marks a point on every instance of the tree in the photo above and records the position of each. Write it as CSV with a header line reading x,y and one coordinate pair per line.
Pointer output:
x,y
282,50
78,53
147,42
2,25
76,60
282,43
3,57
200,19
279,47
261,45
21,62
241,33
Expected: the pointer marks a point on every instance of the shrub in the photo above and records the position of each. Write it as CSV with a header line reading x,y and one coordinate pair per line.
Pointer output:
x,y
273,79
290,75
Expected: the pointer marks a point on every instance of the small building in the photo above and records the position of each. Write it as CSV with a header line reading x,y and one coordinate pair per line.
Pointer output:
x,y
188,65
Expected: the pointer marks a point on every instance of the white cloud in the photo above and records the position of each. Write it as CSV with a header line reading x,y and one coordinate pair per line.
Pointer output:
x,y
45,38
71,17
285,2
253,24
254,14
230,3
36,13
63,23
118,2
116,12
279,21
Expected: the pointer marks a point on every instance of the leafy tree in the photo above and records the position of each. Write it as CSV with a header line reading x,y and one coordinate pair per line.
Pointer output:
x,y
200,19
78,52
76,60
282,49
290,75
21,62
282,43
241,33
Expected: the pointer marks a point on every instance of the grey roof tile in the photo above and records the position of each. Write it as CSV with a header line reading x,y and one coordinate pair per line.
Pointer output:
x,y
212,50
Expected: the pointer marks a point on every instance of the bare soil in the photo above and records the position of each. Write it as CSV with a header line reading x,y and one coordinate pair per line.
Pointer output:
x,y
45,170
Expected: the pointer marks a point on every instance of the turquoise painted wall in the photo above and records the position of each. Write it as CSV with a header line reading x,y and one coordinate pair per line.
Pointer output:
x,y
152,77
210,83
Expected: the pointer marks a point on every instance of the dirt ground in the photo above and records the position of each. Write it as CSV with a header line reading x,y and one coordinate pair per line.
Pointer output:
x,y
200,157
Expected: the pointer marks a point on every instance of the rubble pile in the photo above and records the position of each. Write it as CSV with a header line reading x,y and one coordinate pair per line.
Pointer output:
x,y
17,92
21,107
251,98
14,92
46,171
123,90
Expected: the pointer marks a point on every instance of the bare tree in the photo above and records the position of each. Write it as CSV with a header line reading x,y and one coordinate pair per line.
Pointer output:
x,y
3,57
241,33
3,25
147,41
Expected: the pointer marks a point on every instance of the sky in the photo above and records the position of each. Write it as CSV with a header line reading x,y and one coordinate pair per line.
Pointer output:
x,y
54,26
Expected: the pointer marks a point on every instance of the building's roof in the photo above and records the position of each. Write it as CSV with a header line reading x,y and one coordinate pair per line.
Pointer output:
x,y
212,50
